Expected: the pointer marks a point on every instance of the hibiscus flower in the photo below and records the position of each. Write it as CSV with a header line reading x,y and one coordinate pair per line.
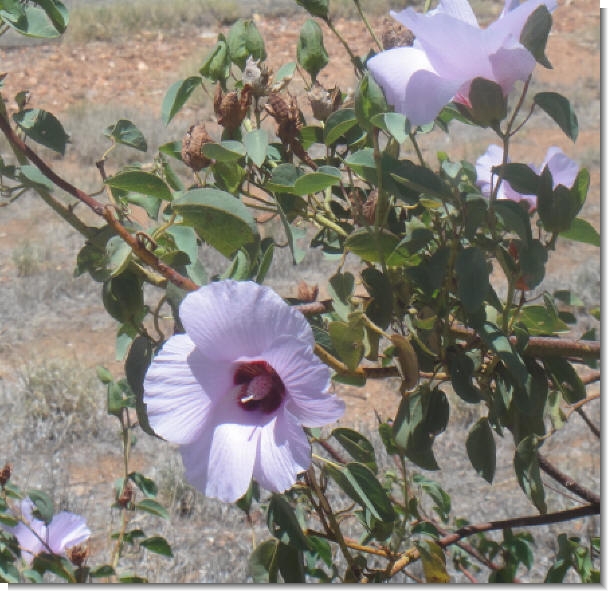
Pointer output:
x,y
451,50
237,388
64,532
563,172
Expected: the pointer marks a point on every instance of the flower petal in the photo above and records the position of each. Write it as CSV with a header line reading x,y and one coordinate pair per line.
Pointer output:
x,y
307,381
410,84
220,463
67,530
29,543
230,319
510,65
563,169
283,453
177,405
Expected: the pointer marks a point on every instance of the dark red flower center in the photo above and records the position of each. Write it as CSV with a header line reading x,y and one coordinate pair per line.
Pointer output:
x,y
261,388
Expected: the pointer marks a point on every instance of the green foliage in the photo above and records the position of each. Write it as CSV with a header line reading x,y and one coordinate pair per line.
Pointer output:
x,y
432,285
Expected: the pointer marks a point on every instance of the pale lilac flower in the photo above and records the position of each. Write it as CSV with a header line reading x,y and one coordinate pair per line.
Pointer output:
x,y
65,531
449,52
236,389
563,171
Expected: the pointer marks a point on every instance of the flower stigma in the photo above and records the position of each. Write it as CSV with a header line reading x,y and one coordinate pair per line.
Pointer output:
x,y
259,386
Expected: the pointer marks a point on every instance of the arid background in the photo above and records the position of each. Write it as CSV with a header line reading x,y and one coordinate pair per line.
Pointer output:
x,y
116,62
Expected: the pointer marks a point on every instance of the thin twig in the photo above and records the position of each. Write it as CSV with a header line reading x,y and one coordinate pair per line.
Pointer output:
x,y
566,481
588,422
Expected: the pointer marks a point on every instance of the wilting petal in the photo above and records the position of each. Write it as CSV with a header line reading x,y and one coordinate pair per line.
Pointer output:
x,y
284,452
306,381
229,319
67,530
176,403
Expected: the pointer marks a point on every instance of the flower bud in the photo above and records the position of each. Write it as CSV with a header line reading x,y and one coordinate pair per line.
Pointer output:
x,y
5,474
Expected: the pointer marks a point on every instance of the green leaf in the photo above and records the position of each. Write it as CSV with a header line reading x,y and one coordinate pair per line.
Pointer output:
x,y
56,12
369,101
130,579
337,124
244,40
313,182
146,485
226,151
125,132
408,362
370,245
123,296
177,95
441,498
341,287
361,485
422,415
535,33
283,523
105,570
481,449
527,470
153,507
500,344
216,66
558,107
8,520
43,505
158,545
532,260
582,231
219,218
380,309
172,149
358,446
540,321
514,218
462,369
347,340
42,127
263,562
118,255
256,144
310,51
58,565
286,71
473,278
432,557
488,104
392,123
318,8
565,379
138,181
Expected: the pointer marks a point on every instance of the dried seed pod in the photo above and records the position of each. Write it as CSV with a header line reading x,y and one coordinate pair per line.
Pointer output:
x,y
407,362
395,34
231,108
368,209
78,554
256,77
5,474
307,293
324,102
192,147
126,498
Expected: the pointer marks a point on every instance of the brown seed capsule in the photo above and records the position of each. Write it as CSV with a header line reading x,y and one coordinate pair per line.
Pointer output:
x,y
324,102
5,474
126,497
395,34
192,147
78,554
307,293
231,108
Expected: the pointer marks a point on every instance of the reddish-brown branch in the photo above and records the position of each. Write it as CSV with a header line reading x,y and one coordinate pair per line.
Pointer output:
x,y
527,521
566,481
99,208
